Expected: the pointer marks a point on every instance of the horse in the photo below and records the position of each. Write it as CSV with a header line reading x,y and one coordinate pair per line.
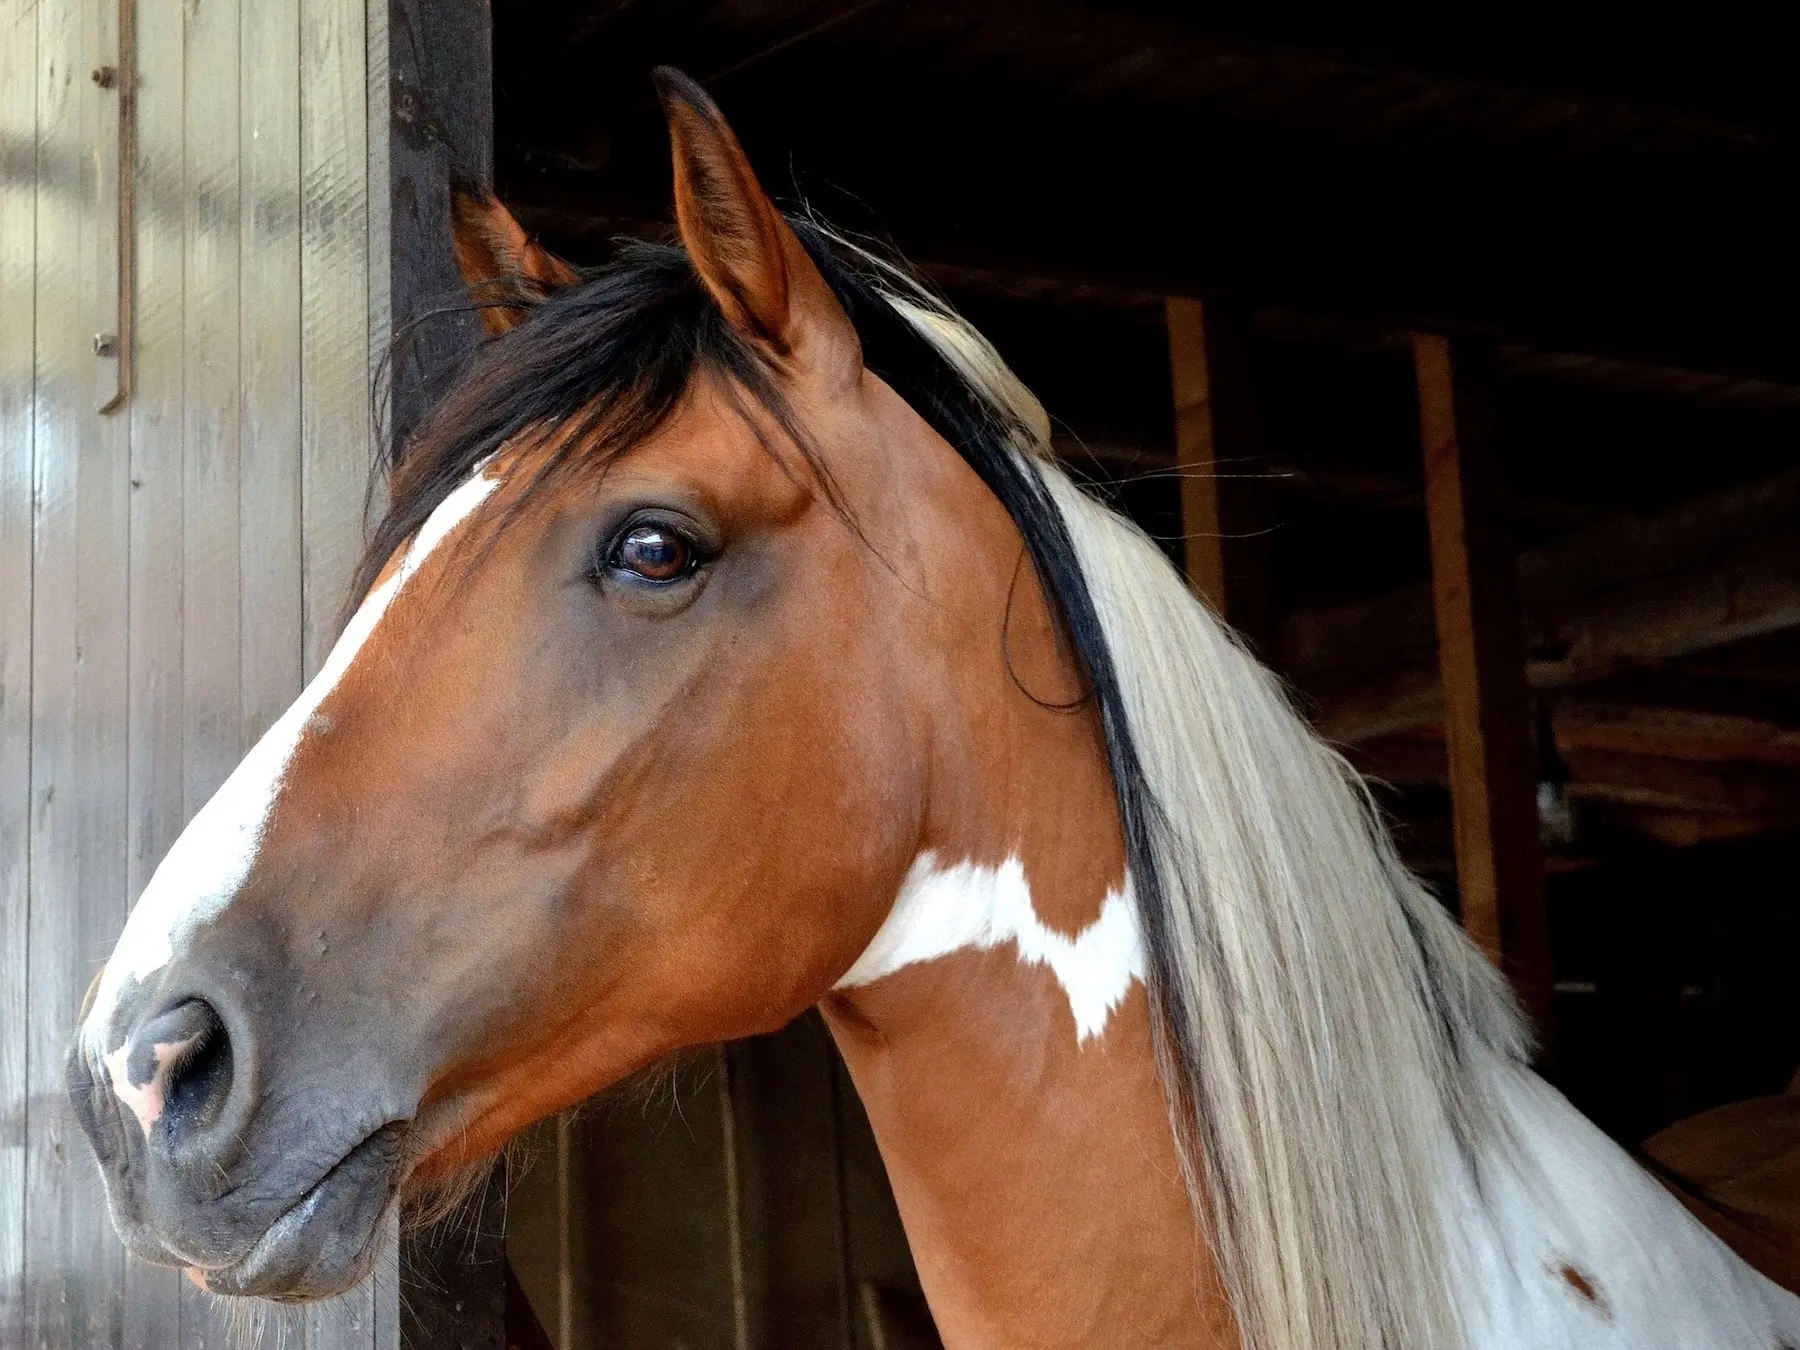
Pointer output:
x,y
733,645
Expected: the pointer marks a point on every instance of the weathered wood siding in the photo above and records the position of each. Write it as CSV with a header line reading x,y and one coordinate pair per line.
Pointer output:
x,y
737,1202
169,571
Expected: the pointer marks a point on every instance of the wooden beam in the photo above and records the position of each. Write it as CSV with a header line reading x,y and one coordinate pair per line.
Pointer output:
x,y
1635,591
1113,458
1487,716
1618,772
1688,829
1632,778
1674,733
1197,450
1220,456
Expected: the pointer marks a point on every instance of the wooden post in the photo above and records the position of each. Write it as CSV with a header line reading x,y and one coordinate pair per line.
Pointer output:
x,y
1487,719
1219,454
438,99
441,129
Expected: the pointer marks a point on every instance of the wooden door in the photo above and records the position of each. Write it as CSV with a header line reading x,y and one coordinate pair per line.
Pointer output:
x,y
171,567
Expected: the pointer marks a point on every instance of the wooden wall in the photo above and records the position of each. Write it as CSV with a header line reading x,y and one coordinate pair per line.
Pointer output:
x,y
169,571
736,1202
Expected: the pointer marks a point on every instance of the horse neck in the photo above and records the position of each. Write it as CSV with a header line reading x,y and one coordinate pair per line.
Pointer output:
x,y
998,1031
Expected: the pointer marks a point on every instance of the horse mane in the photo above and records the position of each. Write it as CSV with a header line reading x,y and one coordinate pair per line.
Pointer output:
x,y
1326,1032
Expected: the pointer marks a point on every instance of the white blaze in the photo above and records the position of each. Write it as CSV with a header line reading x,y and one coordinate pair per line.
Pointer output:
x,y
948,909
202,871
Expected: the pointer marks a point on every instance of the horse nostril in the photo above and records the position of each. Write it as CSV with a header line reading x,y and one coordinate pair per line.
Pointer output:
x,y
199,1085
180,1066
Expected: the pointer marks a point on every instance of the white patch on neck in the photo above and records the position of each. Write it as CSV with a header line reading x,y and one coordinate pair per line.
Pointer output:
x,y
208,862
945,910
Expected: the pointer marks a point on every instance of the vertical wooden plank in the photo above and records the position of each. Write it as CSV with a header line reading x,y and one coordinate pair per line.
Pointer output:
x,y
1219,453
351,1321
378,114
1487,721
785,1111
650,1237
153,778
334,309
1196,450
73,1261
269,334
212,703
335,435
18,205
737,1271
539,1215
564,1236
384,1291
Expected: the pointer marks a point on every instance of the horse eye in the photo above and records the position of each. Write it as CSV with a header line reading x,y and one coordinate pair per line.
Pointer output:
x,y
654,553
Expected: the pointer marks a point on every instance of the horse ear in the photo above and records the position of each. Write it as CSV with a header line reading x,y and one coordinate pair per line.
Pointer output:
x,y
499,261
747,256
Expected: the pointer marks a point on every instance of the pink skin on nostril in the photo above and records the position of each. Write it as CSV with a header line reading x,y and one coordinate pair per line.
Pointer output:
x,y
145,1100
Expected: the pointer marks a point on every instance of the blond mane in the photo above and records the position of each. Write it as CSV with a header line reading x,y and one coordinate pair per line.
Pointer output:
x,y
1326,1030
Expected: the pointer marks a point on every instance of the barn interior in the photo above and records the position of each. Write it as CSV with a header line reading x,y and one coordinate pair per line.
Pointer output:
x,y
1209,242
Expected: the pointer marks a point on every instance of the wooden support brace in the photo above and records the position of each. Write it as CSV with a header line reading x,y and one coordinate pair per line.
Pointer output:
x,y
1630,592
1219,454
1487,717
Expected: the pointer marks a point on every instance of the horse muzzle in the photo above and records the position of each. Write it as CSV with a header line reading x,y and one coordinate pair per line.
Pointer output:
x,y
253,1188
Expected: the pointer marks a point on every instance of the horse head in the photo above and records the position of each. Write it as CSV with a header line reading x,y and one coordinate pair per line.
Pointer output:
x,y
678,640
